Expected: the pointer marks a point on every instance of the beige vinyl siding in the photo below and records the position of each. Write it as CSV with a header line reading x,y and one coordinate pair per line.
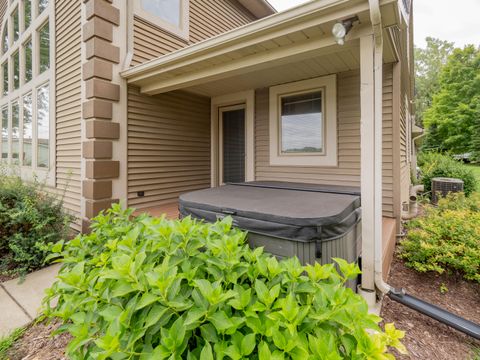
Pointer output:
x,y
68,101
387,163
404,158
207,19
348,171
168,146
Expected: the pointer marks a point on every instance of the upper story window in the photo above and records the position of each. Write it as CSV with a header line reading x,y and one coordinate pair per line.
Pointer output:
x,y
27,13
27,86
15,25
303,123
171,15
5,38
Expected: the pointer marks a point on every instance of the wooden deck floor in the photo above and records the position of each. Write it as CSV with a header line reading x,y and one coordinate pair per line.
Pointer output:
x,y
170,210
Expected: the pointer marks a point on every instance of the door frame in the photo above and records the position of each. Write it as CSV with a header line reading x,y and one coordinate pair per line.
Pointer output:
x,y
245,99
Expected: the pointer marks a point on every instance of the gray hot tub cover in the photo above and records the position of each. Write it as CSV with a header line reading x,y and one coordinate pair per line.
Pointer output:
x,y
302,212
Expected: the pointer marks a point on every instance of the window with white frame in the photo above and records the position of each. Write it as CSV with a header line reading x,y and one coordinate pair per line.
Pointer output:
x,y
27,85
303,123
171,15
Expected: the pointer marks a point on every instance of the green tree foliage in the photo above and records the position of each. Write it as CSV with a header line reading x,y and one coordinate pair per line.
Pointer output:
x,y
150,288
428,62
452,121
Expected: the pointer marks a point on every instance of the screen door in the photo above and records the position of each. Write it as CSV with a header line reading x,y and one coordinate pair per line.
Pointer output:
x,y
232,144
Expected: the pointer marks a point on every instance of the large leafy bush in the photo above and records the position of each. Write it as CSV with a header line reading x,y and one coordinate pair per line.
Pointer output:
x,y
30,219
435,164
151,288
446,238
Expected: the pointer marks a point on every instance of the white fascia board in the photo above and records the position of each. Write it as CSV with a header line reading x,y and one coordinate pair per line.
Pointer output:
x,y
296,19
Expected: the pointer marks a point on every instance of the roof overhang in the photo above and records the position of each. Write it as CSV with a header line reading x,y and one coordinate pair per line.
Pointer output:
x,y
259,8
282,38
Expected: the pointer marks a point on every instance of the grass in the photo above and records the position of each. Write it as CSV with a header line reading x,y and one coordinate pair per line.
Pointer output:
x,y
476,171
7,342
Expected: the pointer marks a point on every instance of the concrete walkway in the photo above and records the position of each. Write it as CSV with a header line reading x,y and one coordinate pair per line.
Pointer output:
x,y
20,302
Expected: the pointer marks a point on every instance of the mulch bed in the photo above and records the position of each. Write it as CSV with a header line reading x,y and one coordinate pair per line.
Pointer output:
x,y
37,343
427,338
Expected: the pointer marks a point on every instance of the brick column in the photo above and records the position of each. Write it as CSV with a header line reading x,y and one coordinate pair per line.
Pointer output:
x,y
100,93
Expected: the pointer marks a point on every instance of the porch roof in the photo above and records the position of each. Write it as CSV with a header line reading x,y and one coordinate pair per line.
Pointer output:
x,y
262,53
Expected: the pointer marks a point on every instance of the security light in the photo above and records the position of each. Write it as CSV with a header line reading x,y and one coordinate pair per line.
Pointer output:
x,y
341,29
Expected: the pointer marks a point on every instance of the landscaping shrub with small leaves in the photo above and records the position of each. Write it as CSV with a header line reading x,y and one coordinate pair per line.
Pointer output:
x,y
30,219
446,238
434,165
151,288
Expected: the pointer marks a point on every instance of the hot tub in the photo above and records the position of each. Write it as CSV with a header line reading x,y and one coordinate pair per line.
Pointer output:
x,y
312,222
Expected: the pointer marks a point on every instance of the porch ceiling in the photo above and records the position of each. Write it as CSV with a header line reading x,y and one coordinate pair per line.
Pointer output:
x,y
284,47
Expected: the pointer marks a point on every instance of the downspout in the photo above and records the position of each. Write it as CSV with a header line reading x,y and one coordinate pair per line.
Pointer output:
x,y
376,19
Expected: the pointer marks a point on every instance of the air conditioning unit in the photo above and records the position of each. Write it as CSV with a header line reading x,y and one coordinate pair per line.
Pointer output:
x,y
441,187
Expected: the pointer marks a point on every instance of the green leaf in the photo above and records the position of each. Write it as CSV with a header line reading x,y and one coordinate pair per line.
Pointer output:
x,y
264,351
146,299
248,344
206,353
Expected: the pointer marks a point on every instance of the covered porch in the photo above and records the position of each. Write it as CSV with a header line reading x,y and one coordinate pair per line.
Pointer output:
x,y
247,73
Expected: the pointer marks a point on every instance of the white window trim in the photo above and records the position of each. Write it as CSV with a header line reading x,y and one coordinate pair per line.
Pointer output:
x,y
32,172
183,31
246,98
328,158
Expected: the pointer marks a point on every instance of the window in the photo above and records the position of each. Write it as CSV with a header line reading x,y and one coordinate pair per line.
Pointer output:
x,y
43,126
5,136
25,66
27,133
27,13
16,25
171,15
303,123
16,70
27,50
168,10
44,48
5,38
5,77
15,132
42,5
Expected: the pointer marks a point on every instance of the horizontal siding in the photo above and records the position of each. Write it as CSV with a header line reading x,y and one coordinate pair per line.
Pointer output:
x,y
168,146
68,102
207,19
347,172
387,141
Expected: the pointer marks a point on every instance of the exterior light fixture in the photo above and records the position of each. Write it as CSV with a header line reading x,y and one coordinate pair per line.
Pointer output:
x,y
341,29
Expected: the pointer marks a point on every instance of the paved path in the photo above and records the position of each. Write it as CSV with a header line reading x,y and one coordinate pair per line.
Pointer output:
x,y
20,302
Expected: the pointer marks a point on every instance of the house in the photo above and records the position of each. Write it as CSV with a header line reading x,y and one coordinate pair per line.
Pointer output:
x,y
141,101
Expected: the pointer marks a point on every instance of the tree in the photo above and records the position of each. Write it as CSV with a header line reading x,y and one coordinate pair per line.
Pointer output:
x,y
428,63
453,120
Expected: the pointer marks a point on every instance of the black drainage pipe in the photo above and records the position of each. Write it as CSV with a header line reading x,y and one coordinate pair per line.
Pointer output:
x,y
435,312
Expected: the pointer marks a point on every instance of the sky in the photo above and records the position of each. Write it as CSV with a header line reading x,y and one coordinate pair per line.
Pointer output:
x,y
455,21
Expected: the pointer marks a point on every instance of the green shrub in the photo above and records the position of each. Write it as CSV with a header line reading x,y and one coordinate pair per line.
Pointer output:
x,y
446,238
151,288
439,165
30,219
